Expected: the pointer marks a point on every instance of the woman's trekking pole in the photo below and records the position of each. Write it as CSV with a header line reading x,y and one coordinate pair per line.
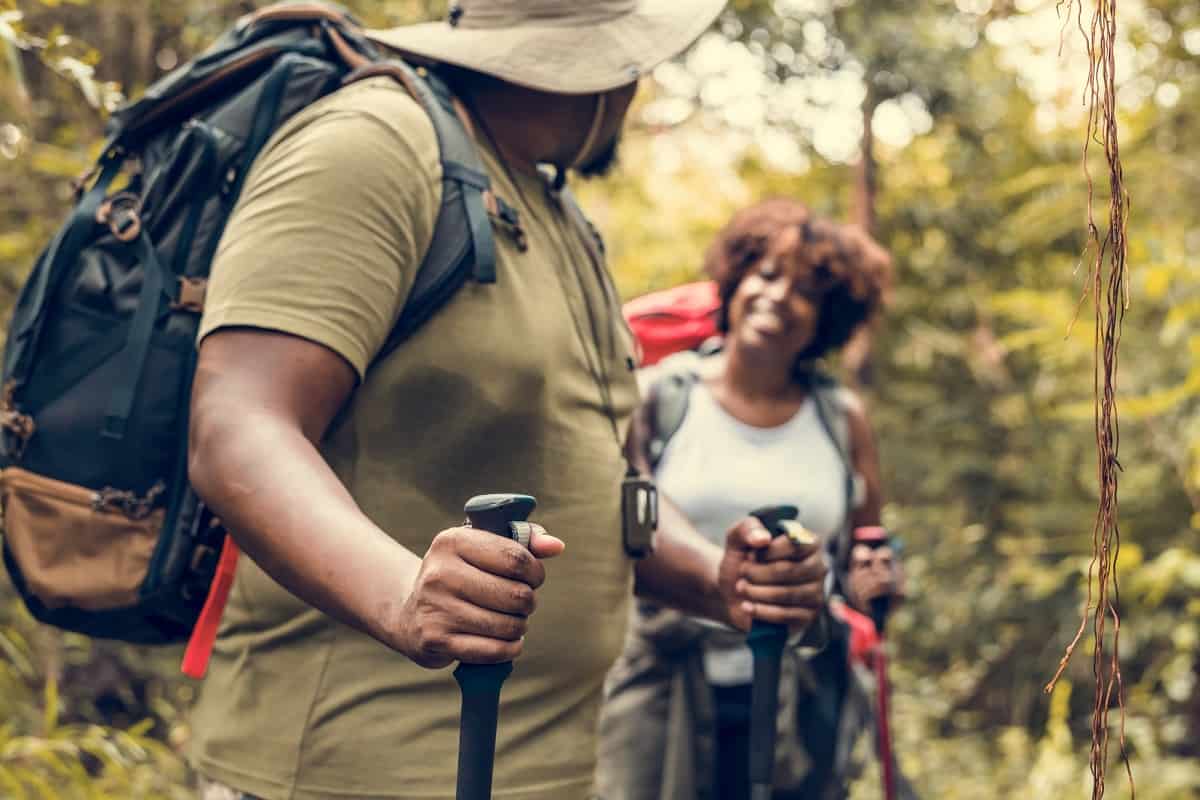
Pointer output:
x,y
886,757
766,641
504,515
880,606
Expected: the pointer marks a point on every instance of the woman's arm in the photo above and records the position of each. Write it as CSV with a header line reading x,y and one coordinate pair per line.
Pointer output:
x,y
733,584
864,457
871,572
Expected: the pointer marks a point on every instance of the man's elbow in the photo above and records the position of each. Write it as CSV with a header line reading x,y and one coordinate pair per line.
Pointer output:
x,y
206,433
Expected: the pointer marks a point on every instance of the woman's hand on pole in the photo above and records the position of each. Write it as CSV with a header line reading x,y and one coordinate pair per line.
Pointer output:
x,y
776,580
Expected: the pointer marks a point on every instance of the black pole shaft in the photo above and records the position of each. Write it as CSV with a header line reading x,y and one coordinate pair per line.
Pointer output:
x,y
766,641
480,684
879,612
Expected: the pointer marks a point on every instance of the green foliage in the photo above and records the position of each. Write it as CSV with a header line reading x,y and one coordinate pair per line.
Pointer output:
x,y
52,741
982,373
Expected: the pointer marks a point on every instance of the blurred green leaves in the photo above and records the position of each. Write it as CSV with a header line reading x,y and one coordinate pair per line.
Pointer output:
x,y
983,378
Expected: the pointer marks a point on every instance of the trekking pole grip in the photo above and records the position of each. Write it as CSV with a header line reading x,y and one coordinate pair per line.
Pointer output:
x,y
766,641
874,537
767,635
480,684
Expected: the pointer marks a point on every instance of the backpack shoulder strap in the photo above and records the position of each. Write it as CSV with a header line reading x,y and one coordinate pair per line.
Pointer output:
x,y
667,397
462,245
831,405
831,411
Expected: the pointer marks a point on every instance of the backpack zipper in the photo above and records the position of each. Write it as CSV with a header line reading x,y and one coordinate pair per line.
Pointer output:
x,y
127,502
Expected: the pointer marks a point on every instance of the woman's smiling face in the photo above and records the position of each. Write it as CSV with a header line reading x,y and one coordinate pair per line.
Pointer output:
x,y
777,304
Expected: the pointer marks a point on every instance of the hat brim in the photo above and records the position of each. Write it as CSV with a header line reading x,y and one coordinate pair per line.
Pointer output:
x,y
563,59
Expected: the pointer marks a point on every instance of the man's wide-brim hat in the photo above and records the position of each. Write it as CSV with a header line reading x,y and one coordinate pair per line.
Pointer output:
x,y
561,46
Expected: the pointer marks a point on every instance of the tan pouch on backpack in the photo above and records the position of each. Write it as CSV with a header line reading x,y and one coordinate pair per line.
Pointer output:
x,y
75,546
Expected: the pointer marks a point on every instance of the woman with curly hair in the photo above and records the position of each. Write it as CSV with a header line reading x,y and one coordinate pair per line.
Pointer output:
x,y
753,424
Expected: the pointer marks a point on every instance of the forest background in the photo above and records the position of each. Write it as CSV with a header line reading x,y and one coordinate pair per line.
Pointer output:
x,y
954,128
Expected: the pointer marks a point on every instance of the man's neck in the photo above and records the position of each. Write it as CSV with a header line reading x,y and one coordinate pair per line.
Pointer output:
x,y
525,127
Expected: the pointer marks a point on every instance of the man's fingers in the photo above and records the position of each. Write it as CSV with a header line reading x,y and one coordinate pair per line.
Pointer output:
x,y
471,649
499,556
502,595
454,629
462,617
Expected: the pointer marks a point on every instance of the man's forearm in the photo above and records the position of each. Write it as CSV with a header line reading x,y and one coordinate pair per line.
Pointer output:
x,y
682,571
288,511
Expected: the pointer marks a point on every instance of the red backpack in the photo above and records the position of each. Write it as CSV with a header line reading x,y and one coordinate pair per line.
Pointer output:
x,y
671,320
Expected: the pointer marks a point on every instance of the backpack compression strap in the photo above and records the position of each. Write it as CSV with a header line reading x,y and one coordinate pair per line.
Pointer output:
x,y
204,634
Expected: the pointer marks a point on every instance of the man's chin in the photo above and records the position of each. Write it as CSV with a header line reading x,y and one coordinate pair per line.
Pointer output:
x,y
601,164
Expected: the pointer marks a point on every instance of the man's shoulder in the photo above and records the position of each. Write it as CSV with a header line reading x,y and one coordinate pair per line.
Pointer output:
x,y
374,111
380,98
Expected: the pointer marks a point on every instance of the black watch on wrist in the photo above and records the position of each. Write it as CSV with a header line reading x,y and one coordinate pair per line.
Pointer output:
x,y
639,515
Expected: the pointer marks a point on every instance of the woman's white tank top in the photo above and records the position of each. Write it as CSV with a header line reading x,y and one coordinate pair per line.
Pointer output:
x,y
717,469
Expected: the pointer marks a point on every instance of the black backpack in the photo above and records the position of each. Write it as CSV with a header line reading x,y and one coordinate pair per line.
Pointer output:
x,y
102,533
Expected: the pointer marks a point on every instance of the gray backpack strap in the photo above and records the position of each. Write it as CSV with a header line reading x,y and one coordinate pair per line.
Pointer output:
x,y
830,411
462,246
667,400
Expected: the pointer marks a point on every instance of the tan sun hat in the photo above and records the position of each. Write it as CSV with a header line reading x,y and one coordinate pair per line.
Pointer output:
x,y
561,46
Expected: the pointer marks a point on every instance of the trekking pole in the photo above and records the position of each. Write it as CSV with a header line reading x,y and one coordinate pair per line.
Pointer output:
x,y
876,536
885,729
766,641
504,515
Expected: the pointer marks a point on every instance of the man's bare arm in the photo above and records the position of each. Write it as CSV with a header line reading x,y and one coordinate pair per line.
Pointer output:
x,y
261,403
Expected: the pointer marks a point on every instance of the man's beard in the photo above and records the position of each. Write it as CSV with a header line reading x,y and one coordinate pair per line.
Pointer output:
x,y
602,163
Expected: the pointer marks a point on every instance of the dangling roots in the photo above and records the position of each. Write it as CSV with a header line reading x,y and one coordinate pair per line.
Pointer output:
x,y
1110,292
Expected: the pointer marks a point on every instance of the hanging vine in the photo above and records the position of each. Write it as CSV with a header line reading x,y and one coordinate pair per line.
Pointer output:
x,y
1108,286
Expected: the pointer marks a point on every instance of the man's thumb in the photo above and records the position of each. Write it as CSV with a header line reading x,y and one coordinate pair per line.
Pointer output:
x,y
543,545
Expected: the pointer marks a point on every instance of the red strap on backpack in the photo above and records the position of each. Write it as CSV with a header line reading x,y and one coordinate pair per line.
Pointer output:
x,y
204,635
674,319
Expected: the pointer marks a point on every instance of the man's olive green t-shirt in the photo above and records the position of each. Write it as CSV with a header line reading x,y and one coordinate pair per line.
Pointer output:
x,y
497,392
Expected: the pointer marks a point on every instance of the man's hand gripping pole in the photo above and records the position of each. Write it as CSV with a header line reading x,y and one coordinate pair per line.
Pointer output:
x,y
503,515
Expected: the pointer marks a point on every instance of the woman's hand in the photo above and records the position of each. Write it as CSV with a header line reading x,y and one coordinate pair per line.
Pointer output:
x,y
873,572
770,580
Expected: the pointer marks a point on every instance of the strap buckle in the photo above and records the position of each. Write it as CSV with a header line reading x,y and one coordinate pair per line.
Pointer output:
x,y
190,296
122,214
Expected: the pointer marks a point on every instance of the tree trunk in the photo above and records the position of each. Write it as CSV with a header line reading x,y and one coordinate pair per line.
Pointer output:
x,y
865,173
856,355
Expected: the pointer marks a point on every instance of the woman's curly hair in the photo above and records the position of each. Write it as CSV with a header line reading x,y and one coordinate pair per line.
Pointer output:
x,y
849,269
